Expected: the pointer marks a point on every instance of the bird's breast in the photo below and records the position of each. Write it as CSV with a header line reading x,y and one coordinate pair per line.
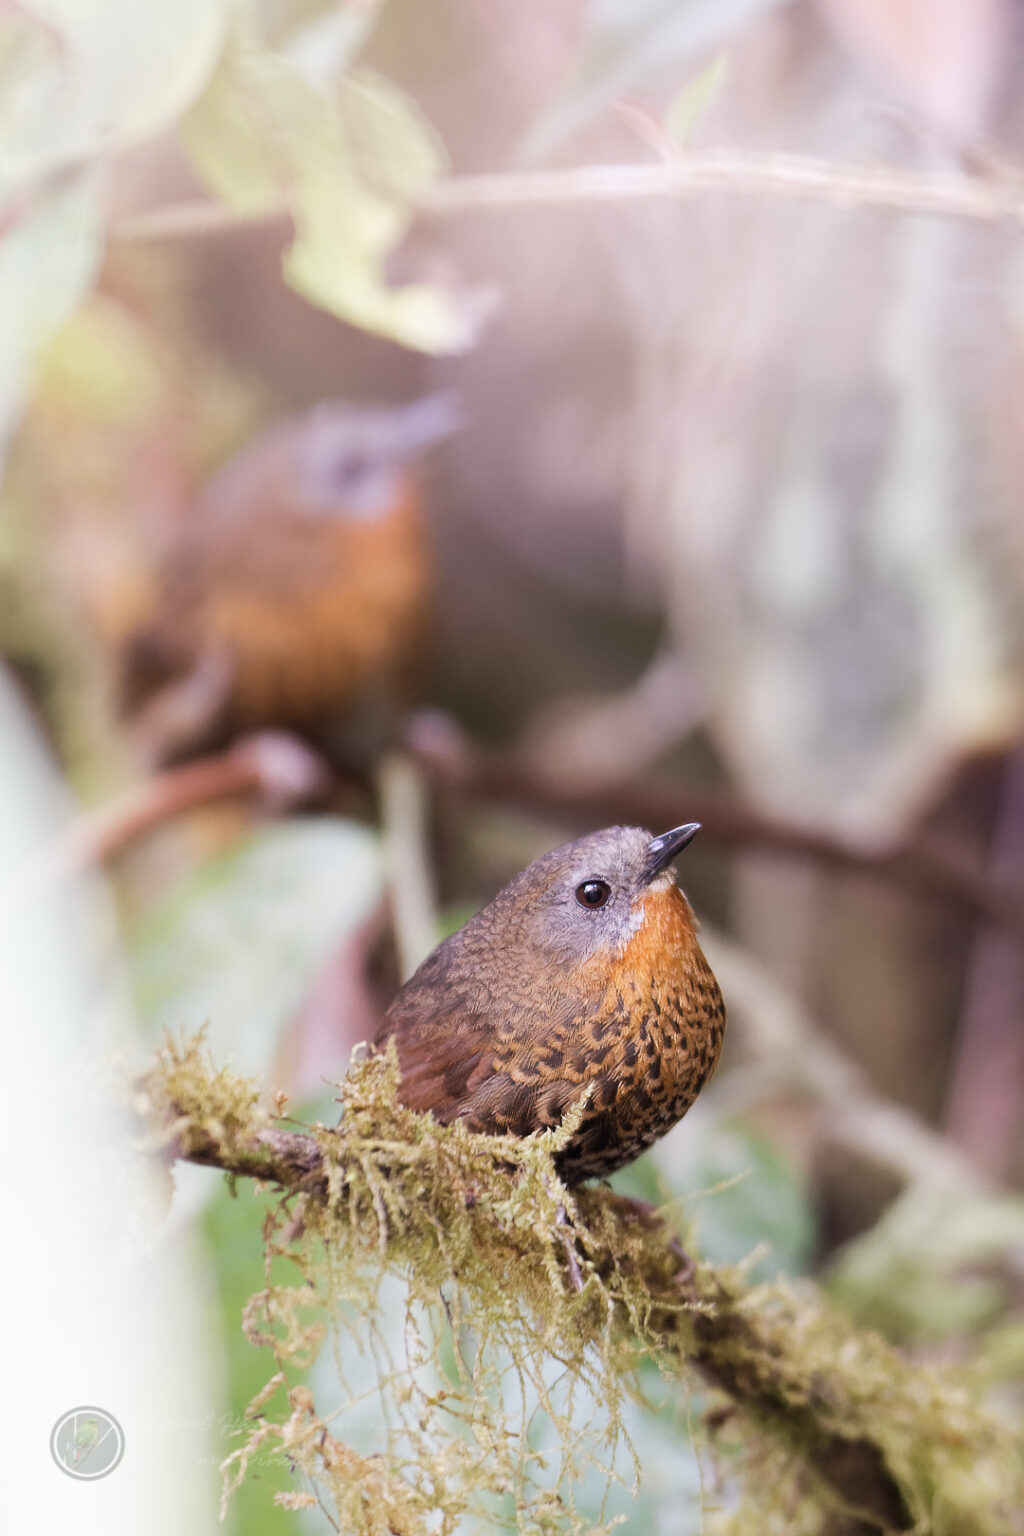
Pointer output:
x,y
652,1040
341,608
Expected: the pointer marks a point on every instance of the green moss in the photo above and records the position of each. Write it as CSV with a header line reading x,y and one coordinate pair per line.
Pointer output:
x,y
507,1317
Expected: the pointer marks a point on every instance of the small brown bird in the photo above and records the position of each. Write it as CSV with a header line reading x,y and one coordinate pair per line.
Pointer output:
x,y
583,973
298,588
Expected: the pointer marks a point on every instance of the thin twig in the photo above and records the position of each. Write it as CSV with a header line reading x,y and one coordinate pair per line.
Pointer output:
x,y
738,173
405,814
189,220
921,862
279,768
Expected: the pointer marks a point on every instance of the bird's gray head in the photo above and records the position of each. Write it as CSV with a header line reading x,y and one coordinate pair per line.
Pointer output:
x,y
588,895
352,458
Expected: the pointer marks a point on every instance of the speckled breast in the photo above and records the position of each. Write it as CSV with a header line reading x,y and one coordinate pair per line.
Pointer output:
x,y
654,1041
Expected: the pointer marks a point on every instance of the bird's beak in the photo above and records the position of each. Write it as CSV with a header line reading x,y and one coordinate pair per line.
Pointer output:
x,y
424,422
664,849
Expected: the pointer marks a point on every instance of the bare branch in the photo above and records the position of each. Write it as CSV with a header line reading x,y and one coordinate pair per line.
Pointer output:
x,y
921,862
279,769
737,173
260,765
740,173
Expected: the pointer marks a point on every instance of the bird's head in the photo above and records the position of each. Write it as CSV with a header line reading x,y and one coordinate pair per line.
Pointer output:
x,y
354,460
589,898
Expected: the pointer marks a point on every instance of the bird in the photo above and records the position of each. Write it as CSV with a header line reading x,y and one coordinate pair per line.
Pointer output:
x,y
581,983
297,590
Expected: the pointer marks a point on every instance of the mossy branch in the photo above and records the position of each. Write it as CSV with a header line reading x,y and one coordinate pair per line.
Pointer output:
x,y
876,1442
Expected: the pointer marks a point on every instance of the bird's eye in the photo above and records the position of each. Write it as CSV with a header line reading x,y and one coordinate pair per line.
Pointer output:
x,y
593,893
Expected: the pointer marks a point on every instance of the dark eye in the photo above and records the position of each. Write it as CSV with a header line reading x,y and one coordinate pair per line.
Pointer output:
x,y
593,893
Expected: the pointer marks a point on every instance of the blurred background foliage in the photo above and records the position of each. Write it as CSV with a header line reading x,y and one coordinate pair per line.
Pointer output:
x,y
735,513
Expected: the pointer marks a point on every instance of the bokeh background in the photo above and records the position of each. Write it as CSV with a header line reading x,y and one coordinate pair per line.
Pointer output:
x,y
732,530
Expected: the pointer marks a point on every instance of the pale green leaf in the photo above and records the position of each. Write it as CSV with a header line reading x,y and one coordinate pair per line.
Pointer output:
x,y
48,259
33,81
736,1189
235,134
345,164
239,943
392,143
103,74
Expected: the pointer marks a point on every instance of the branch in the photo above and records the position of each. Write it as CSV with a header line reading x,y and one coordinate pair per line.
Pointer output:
x,y
923,863
868,1428
284,771
277,768
738,173
728,1347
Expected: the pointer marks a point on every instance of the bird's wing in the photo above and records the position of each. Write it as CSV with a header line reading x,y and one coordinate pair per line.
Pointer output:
x,y
460,1064
437,1053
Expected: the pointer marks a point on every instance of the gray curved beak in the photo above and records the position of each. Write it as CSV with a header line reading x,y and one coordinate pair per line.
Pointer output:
x,y
662,850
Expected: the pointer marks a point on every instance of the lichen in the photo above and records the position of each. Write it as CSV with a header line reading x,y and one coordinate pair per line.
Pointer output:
x,y
526,1310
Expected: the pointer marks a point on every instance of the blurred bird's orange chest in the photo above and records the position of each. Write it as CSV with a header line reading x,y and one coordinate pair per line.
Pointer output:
x,y
331,610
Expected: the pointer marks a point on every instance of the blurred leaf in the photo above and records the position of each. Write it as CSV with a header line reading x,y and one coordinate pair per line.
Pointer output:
x,y
344,164
48,257
80,77
102,366
745,1194
737,1189
910,1275
33,80
628,43
236,133
238,942
392,143
1001,1357
325,43
695,99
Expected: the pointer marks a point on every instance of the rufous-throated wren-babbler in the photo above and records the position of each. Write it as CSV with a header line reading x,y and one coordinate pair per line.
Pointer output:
x,y
582,977
297,589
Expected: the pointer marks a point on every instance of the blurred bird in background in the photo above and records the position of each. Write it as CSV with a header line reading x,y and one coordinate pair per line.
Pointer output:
x,y
296,596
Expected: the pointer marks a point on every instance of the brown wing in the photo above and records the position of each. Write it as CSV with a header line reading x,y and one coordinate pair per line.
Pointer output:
x,y
460,1062
440,1036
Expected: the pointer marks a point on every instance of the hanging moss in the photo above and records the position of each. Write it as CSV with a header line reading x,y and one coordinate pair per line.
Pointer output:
x,y
524,1303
